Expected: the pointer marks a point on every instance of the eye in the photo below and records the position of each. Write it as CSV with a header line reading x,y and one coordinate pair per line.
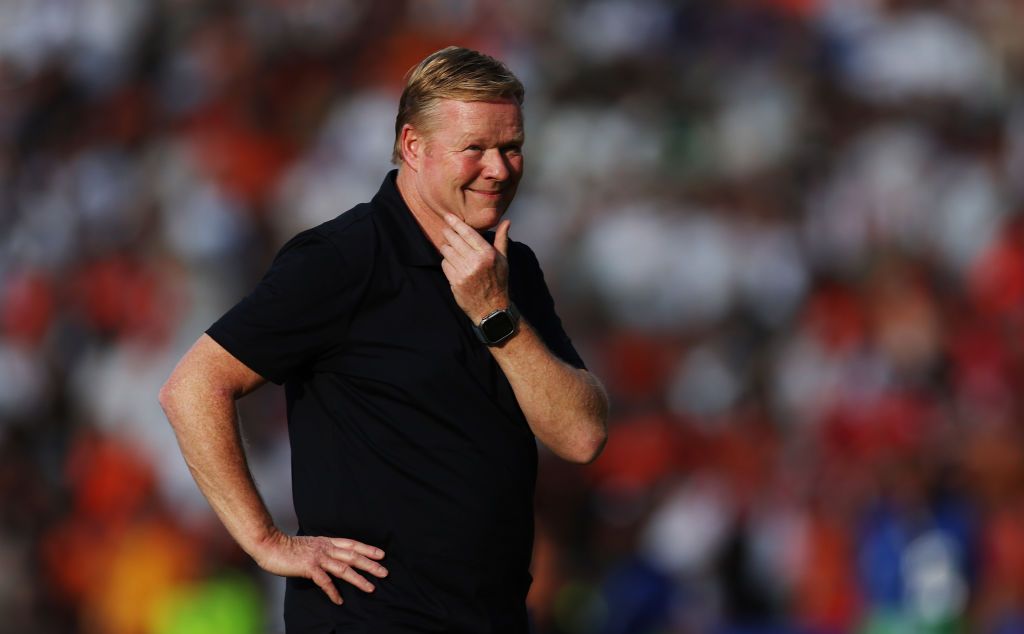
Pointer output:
x,y
512,150
474,148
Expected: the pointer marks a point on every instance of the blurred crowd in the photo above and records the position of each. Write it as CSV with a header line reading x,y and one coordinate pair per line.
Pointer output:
x,y
786,233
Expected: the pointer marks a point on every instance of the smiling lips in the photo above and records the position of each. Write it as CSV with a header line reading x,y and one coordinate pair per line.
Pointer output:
x,y
494,193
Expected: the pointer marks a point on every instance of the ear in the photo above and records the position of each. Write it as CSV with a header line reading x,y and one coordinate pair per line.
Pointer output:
x,y
411,144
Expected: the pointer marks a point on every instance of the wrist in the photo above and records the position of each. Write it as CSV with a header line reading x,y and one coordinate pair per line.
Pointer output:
x,y
498,326
265,541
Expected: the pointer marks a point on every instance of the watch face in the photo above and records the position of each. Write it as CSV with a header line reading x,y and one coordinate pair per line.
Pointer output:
x,y
498,326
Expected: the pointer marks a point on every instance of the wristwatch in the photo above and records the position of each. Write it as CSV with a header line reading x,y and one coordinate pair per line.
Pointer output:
x,y
498,326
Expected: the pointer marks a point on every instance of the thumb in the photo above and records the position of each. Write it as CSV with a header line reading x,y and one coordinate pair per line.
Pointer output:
x,y
501,237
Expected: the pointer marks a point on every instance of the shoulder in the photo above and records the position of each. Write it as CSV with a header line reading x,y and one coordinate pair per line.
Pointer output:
x,y
526,279
520,249
522,257
348,241
352,233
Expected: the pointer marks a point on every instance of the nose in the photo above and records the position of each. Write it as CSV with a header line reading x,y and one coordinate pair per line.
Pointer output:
x,y
495,165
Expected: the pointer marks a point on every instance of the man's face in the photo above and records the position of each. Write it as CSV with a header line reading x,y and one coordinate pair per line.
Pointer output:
x,y
472,160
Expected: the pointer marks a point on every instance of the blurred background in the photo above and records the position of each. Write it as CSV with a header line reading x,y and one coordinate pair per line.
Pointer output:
x,y
787,234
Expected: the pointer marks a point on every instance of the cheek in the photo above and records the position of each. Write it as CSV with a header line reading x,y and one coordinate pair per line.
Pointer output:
x,y
464,170
516,165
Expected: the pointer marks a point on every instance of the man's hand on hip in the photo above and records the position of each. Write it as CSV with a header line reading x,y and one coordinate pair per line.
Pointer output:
x,y
477,271
317,558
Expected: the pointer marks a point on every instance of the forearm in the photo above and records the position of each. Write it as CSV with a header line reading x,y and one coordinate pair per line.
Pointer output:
x,y
567,408
205,423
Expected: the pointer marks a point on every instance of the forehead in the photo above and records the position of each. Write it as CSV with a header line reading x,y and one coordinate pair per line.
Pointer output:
x,y
494,120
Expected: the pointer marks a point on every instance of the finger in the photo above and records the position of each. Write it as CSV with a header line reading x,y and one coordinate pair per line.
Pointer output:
x,y
457,242
461,264
349,574
323,580
469,234
450,272
353,558
501,237
450,255
361,548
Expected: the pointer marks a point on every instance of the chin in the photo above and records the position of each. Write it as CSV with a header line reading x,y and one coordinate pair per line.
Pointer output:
x,y
486,219
493,222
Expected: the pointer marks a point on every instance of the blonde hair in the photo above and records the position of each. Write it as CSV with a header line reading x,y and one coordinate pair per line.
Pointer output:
x,y
452,73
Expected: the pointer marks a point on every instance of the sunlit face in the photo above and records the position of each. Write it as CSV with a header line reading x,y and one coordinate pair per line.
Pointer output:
x,y
472,160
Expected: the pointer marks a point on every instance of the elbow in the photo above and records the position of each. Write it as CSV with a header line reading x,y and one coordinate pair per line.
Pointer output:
x,y
593,434
173,397
589,445
592,448
166,398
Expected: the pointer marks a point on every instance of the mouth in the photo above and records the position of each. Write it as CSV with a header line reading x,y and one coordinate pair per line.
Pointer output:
x,y
495,194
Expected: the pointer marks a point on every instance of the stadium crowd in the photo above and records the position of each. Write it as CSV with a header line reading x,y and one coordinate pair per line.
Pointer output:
x,y
787,233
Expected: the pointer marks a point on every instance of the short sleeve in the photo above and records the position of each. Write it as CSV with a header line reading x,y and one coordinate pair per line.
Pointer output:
x,y
532,298
300,308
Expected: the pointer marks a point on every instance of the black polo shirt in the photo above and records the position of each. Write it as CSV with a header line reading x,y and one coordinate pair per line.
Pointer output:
x,y
405,433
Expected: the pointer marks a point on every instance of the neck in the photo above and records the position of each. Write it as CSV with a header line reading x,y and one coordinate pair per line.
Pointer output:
x,y
431,223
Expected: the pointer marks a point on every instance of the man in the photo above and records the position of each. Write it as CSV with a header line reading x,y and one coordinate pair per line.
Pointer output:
x,y
420,362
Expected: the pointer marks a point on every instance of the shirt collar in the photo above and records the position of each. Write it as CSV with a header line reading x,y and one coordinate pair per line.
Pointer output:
x,y
414,247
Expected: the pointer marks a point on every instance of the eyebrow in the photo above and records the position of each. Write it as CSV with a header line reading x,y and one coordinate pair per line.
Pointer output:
x,y
469,139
